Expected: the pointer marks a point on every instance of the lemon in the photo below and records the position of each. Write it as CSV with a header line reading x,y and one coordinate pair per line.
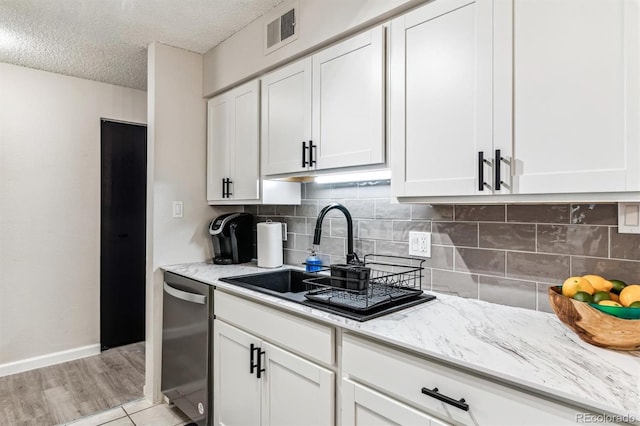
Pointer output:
x,y
573,285
583,296
601,295
609,303
617,286
630,294
598,282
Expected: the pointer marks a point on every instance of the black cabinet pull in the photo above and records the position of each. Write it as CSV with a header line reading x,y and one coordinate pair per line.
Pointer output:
x,y
229,183
312,148
461,403
496,164
304,154
260,369
252,363
480,171
224,187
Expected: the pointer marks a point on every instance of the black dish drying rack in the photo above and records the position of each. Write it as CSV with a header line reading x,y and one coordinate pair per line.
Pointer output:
x,y
377,280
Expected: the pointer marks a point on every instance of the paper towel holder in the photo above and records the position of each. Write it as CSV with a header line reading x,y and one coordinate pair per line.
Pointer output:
x,y
284,228
270,247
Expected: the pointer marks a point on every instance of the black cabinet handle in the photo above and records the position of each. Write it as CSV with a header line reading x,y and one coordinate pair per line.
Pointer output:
x,y
229,183
496,165
480,171
304,154
312,148
260,369
252,363
461,403
224,187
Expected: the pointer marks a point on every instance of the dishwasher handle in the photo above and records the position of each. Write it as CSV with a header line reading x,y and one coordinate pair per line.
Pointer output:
x,y
185,295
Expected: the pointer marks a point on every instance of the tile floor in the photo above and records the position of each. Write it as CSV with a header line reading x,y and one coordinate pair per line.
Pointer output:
x,y
136,413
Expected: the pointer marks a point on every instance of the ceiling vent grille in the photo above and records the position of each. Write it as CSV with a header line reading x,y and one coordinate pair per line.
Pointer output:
x,y
280,30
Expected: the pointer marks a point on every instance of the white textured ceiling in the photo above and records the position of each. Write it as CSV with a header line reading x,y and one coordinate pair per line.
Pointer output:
x,y
106,40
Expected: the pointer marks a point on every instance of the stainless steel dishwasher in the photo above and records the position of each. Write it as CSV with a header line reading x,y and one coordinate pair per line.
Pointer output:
x,y
187,320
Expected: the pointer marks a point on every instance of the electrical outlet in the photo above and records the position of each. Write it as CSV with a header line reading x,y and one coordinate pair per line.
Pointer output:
x,y
420,244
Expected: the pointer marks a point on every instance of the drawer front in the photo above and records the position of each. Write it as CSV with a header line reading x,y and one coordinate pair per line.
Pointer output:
x,y
308,338
404,377
362,406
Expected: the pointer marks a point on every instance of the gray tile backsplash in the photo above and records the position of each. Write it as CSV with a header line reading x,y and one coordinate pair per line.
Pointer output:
x,y
507,254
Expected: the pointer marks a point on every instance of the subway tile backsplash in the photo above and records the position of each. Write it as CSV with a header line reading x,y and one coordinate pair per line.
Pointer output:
x,y
507,254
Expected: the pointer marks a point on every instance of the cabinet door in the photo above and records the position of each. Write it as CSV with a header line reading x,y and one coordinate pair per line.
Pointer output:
x,y
362,406
218,134
286,118
348,102
236,392
245,159
296,391
441,98
574,94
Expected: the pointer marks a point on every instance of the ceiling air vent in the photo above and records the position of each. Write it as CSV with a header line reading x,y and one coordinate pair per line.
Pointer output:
x,y
280,30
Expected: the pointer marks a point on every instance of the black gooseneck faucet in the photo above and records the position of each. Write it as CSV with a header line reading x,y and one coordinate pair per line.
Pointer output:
x,y
351,256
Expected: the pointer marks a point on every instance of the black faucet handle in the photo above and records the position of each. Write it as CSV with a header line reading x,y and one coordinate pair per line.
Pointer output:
x,y
352,258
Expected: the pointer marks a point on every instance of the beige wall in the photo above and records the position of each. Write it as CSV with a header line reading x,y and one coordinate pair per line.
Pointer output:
x,y
320,22
177,172
50,207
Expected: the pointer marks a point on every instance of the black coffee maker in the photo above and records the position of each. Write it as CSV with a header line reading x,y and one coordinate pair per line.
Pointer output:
x,y
232,237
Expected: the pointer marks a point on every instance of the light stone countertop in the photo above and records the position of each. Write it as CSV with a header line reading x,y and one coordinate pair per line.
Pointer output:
x,y
529,349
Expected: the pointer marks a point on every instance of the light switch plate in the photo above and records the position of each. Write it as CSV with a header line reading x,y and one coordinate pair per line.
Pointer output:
x,y
629,218
420,244
177,209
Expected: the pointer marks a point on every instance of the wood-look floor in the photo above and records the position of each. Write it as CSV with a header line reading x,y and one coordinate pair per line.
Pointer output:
x,y
64,392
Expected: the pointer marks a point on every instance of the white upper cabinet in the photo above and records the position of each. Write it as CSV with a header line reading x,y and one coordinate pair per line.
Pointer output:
x,y
572,73
524,97
233,152
286,118
218,111
440,90
326,111
233,145
348,102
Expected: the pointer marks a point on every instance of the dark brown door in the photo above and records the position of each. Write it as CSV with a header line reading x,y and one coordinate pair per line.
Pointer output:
x,y
122,233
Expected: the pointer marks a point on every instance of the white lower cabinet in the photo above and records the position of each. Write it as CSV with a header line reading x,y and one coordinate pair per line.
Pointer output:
x,y
295,391
271,367
460,398
236,390
258,383
362,406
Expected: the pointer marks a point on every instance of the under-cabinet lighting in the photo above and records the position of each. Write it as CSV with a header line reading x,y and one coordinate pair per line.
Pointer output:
x,y
355,177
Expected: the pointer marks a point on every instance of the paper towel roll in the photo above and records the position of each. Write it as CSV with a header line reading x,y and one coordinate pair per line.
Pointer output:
x,y
269,244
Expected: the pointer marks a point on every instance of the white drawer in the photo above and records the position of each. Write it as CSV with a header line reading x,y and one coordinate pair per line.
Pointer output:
x,y
404,376
308,338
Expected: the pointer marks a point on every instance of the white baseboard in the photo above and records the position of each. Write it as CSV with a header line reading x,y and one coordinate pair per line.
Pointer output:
x,y
48,359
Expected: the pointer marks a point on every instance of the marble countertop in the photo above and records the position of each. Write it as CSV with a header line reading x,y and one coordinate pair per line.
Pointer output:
x,y
529,349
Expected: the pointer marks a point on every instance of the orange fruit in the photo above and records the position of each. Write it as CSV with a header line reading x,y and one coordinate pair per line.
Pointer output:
x,y
573,285
630,294
614,297
598,282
